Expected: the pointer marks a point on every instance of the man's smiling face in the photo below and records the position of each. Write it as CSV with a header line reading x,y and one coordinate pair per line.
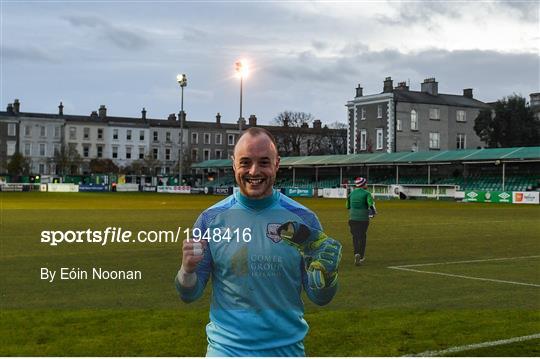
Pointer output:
x,y
255,165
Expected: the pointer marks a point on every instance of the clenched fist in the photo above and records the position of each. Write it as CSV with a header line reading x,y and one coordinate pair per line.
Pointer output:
x,y
192,254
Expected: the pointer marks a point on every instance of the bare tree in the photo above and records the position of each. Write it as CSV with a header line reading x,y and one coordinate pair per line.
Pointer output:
x,y
67,160
19,165
149,164
336,138
294,124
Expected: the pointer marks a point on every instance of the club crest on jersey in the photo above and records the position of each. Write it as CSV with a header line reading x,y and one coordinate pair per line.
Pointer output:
x,y
271,232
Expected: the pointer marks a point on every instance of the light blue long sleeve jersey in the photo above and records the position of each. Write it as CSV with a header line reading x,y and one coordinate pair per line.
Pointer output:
x,y
256,286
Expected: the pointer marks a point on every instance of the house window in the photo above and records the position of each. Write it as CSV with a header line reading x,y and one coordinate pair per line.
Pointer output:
x,y
27,130
194,138
128,135
363,113
115,134
414,147
57,148
155,153
42,149
379,138
99,151
141,135
218,138
206,138
42,131
57,131
86,133
73,133
399,126
434,114
99,133
194,155
141,153
86,150
11,148
461,141
218,154
414,120
230,140
434,140
168,154
12,129
115,152
168,136
128,153
461,116
379,111
27,149
206,154
363,139
156,136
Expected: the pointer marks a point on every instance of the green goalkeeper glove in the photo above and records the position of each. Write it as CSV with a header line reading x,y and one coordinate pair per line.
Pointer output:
x,y
321,253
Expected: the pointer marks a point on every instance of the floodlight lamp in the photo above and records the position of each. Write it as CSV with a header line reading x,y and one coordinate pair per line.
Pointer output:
x,y
182,80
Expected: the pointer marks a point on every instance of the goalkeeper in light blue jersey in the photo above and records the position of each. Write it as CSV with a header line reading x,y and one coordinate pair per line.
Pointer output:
x,y
260,250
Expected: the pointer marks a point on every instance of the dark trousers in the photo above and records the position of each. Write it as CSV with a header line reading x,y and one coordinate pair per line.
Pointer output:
x,y
359,235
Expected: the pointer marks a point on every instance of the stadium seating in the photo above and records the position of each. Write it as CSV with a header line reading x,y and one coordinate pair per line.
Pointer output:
x,y
473,182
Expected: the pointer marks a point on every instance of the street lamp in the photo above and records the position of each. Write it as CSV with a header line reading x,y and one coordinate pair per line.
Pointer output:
x,y
182,81
241,71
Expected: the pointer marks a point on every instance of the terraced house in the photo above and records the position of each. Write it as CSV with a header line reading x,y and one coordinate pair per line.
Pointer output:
x,y
142,144
399,119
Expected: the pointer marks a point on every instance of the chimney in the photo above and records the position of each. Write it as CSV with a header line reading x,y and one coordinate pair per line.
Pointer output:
x,y
218,118
94,115
388,85
359,91
402,86
241,123
102,112
61,109
467,93
535,100
16,106
430,86
317,124
9,108
143,114
304,125
172,117
252,120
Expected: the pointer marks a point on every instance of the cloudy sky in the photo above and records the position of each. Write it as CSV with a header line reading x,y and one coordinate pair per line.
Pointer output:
x,y
304,55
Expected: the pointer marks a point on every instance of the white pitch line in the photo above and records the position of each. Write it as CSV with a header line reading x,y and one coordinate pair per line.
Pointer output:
x,y
466,277
408,266
433,353
468,261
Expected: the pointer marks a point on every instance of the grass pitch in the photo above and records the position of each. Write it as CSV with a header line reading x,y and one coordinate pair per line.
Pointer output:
x,y
438,275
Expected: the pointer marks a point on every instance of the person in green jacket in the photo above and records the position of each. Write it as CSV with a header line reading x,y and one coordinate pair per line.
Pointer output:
x,y
361,208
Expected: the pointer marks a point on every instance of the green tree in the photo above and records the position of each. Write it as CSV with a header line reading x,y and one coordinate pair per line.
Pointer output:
x,y
512,123
19,165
